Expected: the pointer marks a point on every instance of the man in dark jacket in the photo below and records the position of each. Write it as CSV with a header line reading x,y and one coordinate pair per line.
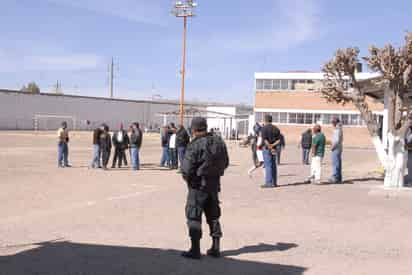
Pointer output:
x,y
204,164
105,146
182,140
96,148
306,144
121,143
136,139
271,139
165,138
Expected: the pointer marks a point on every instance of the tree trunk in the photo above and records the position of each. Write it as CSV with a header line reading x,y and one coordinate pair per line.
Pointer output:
x,y
380,150
395,162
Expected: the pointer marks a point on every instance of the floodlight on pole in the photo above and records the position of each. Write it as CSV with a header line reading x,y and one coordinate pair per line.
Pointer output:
x,y
183,9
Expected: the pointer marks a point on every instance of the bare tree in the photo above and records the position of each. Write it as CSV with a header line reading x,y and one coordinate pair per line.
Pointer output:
x,y
395,80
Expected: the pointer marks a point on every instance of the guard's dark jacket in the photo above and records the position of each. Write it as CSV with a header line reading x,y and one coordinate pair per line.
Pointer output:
x,y
205,161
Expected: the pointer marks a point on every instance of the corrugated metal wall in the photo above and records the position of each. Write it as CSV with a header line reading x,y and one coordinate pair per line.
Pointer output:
x,y
18,111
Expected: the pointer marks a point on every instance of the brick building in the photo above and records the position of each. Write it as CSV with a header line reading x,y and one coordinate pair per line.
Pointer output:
x,y
295,103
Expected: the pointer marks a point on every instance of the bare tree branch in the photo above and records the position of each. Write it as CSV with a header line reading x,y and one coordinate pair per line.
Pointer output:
x,y
395,67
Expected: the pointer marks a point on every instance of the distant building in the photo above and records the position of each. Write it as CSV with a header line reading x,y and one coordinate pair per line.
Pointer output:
x,y
45,111
295,99
295,103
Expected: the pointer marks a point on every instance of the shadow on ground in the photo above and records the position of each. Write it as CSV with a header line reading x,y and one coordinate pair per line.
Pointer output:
x,y
66,258
260,248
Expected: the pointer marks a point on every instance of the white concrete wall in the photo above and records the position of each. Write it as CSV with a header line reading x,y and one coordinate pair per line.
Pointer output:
x,y
223,123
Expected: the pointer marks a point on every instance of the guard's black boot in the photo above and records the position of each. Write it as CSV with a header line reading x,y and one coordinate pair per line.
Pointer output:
x,y
214,251
194,252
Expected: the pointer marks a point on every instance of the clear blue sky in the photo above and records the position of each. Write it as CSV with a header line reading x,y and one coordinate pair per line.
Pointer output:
x,y
73,40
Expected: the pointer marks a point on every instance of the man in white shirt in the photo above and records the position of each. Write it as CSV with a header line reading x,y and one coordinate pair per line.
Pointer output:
x,y
121,142
173,149
62,146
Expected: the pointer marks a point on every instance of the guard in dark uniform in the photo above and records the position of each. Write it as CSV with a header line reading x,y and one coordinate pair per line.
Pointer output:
x,y
204,164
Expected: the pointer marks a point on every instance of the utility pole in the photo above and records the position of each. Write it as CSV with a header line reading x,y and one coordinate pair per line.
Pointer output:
x,y
184,10
111,78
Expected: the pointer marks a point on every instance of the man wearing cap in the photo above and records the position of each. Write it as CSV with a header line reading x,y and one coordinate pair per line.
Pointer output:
x,y
204,164
62,146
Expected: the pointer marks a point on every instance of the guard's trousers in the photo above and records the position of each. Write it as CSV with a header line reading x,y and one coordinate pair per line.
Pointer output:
x,y
198,202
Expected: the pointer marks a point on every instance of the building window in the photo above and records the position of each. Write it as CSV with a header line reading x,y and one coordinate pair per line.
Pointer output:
x,y
259,84
314,118
326,119
276,84
318,118
345,119
267,84
275,117
301,118
284,84
353,120
308,118
293,118
283,117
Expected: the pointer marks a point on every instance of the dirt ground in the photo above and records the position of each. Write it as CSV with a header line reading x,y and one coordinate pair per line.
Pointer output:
x,y
78,221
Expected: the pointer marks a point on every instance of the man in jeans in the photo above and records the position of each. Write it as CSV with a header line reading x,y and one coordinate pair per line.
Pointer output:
x,y
408,142
62,146
96,148
165,139
271,139
136,139
337,148
182,140
318,152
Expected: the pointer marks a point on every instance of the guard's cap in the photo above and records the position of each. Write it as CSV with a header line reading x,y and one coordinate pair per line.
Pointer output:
x,y
199,124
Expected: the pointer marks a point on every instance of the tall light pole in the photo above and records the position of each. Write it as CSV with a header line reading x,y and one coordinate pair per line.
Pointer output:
x,y
183,9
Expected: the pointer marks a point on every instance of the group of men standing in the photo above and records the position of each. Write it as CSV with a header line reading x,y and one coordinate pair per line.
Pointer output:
x,y
121,140
174,142
313,144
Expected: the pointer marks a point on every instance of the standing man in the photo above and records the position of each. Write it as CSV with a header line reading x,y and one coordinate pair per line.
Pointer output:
x,y
105,146
256,129
306,144
121,143
173,149
271,139
182,140
165,137
408,143
337,148
136,139
62,146
318,152
96,147
204,164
